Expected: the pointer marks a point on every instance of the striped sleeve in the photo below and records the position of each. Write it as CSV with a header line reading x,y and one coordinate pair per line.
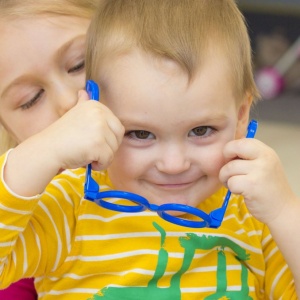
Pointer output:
x,y
36,232
279,282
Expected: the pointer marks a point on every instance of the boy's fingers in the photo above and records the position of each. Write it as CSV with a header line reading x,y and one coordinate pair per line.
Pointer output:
x,y
244,148
235,168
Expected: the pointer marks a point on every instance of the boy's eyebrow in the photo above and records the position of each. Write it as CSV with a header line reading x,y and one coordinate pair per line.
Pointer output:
x,y
216,118
206,120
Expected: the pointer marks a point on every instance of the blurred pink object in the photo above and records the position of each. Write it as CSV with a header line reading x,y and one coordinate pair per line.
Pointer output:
x,y
270,80
23,290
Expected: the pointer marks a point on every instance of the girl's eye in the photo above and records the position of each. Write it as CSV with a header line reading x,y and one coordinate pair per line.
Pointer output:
x,y
77,68
140,134
33,101
201,131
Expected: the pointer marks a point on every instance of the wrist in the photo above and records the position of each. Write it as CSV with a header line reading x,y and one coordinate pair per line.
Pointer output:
x,y
29,168
287,215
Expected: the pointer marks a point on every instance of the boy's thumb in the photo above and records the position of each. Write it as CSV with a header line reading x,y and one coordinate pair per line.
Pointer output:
x,y
82,96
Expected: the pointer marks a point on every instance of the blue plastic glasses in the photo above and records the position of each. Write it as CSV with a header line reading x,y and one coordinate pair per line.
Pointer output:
x,y
138,203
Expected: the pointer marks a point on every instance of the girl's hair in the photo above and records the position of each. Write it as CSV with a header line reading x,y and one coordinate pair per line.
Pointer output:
x,y
22,8
186,31
31,8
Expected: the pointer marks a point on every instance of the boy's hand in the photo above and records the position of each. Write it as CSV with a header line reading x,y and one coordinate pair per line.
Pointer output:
x,y
255,171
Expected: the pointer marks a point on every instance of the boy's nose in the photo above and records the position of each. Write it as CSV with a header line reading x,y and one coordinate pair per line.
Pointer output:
x,y
173,161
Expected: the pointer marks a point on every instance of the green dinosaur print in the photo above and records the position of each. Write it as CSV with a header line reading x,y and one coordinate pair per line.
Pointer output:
x,y
190,244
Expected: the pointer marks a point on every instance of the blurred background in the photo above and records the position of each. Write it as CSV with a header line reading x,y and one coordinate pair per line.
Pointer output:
x,y
274,27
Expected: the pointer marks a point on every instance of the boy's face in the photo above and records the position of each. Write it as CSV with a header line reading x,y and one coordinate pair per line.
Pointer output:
x,y
175,129
41,70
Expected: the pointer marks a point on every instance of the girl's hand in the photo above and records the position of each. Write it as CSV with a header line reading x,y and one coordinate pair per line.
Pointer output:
x,y
88,133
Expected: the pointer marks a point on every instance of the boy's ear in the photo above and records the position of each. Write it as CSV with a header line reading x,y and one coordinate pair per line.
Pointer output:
x,y
243,116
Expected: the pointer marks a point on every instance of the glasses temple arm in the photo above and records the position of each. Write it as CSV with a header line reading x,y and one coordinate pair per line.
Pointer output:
x,y
218,214
91,187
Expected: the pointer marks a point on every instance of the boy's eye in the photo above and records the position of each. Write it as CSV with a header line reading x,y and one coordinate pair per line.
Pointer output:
x,y
77,67
140,134
201,131
33,101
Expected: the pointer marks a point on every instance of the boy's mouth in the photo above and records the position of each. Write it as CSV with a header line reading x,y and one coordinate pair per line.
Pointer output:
x,y
176,186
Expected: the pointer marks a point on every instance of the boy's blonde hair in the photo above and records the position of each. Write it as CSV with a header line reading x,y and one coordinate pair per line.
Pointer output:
x,y
31,8
186,31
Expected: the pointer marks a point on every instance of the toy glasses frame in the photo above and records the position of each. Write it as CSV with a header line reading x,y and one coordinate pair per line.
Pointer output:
x,y
91,192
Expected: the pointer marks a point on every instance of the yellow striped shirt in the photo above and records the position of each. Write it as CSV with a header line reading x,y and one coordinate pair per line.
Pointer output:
x,y
77,250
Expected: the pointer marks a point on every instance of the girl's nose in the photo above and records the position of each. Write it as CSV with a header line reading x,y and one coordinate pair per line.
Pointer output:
x,y
173,160
66,98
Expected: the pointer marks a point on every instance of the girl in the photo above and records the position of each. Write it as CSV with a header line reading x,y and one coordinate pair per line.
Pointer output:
x,y
41,70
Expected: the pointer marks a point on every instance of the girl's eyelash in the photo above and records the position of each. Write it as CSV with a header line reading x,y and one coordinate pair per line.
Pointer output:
x,y
33,101
77,68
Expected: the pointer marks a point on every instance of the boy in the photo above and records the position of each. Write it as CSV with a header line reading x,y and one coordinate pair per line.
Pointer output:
x,y
177,74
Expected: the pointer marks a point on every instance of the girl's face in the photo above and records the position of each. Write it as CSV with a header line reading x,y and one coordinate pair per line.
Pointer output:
x,y
41,70
176,129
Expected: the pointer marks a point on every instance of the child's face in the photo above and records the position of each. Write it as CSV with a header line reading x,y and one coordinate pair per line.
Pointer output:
x,y
41,70
175,129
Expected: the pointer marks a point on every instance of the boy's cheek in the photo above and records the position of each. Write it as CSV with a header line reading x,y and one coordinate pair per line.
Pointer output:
x,y
215,162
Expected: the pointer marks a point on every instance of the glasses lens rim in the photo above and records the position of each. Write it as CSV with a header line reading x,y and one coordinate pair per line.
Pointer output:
x,y
141,202
182,222
175,207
